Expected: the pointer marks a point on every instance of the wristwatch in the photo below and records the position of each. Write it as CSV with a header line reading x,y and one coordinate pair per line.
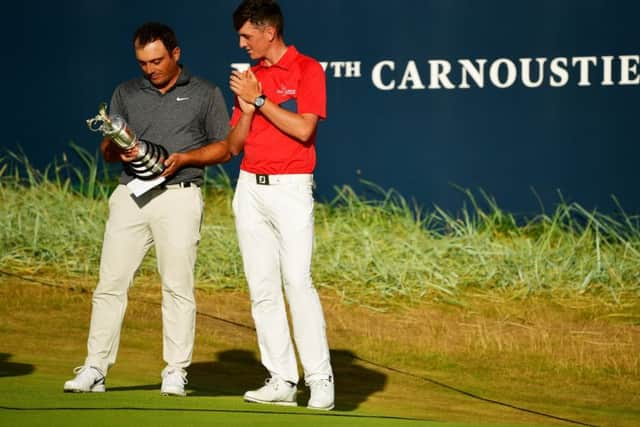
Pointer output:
x,y
259,102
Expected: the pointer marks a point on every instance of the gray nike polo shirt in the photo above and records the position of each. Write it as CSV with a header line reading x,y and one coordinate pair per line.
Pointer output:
x,y
188,116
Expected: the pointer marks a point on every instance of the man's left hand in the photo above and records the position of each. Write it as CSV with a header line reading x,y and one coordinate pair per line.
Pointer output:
x,y
174,163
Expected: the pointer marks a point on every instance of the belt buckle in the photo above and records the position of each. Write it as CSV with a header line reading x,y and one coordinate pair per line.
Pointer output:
x,y
182,184
262,179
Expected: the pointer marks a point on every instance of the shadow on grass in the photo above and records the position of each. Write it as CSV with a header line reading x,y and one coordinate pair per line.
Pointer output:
x,y
236,371
155,387
13,369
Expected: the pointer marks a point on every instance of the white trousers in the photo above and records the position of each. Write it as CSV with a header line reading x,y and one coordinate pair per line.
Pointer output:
x,y
171,220
275,230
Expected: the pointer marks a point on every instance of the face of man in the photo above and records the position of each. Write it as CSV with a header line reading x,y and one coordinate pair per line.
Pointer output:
x,y
256,39
159,66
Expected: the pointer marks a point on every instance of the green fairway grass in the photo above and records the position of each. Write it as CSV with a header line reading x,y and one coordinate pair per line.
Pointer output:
x,y
37,400
383,377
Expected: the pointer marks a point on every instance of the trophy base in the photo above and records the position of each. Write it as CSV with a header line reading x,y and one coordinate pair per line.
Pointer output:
x,y
150,161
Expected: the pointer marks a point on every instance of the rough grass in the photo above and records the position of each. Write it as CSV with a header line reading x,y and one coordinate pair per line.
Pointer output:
x,y
375,251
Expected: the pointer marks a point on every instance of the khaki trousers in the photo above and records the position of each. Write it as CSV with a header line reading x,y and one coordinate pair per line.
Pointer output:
x,y
169,219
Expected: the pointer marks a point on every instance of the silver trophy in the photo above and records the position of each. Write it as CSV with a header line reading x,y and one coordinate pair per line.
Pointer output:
x,y
149,162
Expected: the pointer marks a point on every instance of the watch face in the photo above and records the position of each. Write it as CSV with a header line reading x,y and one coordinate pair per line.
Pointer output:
x,y
259,102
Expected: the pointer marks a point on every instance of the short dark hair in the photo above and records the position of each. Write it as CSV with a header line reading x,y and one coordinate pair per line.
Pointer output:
x,y
152,31
259,12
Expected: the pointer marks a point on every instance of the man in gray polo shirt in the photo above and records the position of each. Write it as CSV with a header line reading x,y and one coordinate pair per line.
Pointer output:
x,y
186,115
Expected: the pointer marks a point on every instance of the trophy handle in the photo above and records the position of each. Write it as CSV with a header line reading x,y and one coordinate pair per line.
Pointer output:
x,y
96,124
149,162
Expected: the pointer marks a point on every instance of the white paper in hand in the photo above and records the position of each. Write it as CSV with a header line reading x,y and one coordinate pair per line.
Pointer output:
x,y
140,186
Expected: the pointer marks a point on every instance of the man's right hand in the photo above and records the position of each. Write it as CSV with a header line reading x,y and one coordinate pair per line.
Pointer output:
x,y
129,155
112,153
246,107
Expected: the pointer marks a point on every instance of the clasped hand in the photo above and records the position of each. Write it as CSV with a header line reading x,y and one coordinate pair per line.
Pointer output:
x,y
246,86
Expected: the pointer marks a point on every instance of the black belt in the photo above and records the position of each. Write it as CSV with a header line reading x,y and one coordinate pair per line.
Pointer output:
x,y
178,185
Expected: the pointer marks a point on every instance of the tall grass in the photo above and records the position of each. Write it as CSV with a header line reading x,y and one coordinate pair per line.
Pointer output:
x,y
385,248
370,250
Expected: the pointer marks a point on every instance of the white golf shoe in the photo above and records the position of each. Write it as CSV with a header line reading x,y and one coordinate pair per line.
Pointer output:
x,y
322,394
173,381
88,379
275,391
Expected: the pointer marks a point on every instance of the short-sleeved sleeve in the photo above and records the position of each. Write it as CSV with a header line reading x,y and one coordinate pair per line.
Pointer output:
x,y
312,93
217,118
117,105
235,112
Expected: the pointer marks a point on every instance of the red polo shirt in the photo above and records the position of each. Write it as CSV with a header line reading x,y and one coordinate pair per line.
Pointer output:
x,y
297,83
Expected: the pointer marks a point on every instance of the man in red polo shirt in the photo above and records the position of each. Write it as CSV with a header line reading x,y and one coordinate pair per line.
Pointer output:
x,y
278,104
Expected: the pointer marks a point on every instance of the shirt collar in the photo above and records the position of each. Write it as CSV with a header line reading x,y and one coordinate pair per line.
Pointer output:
x,y
183,79
286,61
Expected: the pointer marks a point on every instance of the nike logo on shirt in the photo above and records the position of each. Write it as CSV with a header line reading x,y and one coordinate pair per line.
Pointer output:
x,y
182,99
